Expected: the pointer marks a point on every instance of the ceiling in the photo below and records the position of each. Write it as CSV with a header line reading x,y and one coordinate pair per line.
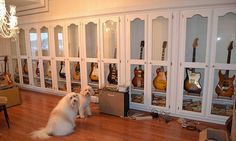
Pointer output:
x,y
20,3
28,7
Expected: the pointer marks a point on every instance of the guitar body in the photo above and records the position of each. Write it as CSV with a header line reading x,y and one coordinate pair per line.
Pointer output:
x,y
76,75
94,73
112,76
138,80
191,83
160,81
7,78
225,86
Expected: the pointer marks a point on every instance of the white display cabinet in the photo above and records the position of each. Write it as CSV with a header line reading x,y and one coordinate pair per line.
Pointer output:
x,y
170,59
136,58
222,84
193,61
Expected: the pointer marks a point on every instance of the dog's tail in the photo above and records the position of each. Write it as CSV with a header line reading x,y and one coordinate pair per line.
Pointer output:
x,y
41,134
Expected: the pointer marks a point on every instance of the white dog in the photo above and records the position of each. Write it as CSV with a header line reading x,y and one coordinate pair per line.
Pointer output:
x,y
84,101
62,118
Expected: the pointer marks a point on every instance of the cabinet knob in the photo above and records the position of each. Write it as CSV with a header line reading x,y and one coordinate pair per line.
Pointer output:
x,y
213,66
206,66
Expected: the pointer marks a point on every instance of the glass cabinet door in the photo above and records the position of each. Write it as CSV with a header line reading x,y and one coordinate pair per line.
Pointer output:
x,y
194,45
73,41
61,75
91,40
110,38
25,71
15,71
33,42
224,64
159,53
136,44
110,48
59,41
45,41
47,73
75,76
22,44
36,73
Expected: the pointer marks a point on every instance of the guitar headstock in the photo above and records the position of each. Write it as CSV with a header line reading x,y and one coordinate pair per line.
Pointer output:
x,y
142,44
195,43
230,46
164,44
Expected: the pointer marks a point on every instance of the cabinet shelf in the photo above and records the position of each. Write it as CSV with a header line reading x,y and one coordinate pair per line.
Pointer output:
x,y
75,82
157,92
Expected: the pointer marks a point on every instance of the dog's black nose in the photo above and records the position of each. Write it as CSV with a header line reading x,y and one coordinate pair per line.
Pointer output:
x,y
75,100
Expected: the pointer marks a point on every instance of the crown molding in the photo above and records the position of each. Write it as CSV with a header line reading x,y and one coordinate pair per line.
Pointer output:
x,y
41,6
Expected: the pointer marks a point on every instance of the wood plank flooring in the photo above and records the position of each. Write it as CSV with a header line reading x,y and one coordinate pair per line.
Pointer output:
x,y
33,114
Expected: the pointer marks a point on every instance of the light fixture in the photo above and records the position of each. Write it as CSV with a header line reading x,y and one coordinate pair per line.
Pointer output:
x,y
8,22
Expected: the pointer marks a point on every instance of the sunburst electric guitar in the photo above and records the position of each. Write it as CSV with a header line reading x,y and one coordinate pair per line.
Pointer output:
x,y
62,73
225,86
191,82
76,74
138,80
160,81
7,75
94,72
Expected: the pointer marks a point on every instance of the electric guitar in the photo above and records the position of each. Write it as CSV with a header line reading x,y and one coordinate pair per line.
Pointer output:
x,y
25,67
138,80
37,70
160,81
7,75
94,72
191,82
62,73
225,85
112,76
76,74
49,70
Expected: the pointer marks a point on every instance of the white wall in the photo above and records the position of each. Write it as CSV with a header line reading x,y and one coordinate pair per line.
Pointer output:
x,y
60,9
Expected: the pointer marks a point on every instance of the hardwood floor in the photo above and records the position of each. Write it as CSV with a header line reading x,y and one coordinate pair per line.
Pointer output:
x,y
33,114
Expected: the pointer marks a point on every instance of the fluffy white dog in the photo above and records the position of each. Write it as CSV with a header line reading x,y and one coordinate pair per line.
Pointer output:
x,y
62,118
84,101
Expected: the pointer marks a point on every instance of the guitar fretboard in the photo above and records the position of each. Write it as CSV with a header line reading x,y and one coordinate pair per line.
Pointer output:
x,y
141,53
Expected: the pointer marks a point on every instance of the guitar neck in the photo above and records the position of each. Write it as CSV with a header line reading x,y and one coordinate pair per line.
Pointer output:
x,y
228,62
194,55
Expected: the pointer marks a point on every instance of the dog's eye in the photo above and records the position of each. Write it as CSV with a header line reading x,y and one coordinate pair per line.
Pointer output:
x,y
71,97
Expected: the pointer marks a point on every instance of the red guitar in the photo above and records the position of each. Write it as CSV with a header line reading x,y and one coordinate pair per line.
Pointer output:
x,y
138,80
225,86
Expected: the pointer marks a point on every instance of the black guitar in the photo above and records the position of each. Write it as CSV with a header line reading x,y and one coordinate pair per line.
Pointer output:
x,y
62,73
112,76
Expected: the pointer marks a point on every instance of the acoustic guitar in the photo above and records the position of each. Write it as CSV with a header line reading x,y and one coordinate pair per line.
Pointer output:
x,y
160,81
138,80
37,70
62,73
225,85
76,74
94,75
112,76
191,82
